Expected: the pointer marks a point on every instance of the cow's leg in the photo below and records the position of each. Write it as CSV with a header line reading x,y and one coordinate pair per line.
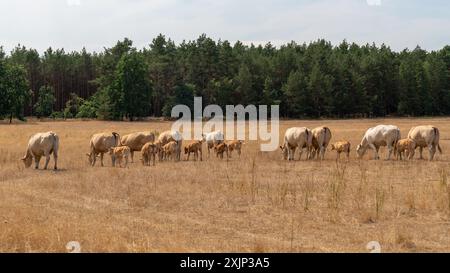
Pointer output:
x,y
55,158
47,160
411,154
390,150
37,159
420,151
338,156
132,156
375,150
301,153
101,159
93,158
432,150
322,153
201,155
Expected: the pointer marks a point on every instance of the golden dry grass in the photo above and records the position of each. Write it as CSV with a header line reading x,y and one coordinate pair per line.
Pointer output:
x,y
256,203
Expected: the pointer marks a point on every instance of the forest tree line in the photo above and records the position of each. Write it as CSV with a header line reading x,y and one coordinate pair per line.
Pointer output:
x,y
306,80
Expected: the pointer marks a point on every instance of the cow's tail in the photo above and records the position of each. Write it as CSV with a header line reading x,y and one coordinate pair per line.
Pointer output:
x,y
436,139
117,138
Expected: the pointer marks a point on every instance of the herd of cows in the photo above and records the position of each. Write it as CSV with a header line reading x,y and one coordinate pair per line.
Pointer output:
x,y
168,145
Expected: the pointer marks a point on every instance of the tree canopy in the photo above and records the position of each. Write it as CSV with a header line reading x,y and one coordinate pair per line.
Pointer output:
x,y
307,80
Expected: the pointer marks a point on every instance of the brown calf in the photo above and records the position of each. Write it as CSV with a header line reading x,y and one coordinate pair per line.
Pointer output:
x,y
149,151
405,147
220,149
235,145
170,151
195,148
119,153
341,147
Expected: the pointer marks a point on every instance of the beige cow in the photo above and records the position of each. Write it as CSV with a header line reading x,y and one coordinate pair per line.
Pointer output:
x,y
149,152
320,140
42,144
168,136
378,136
170,151
405,147
100,144
118,154
235,145
341,147
296,137
220,149
136,141
426,136
195,148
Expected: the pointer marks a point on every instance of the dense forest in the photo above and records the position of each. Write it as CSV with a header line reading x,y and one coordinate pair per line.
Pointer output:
x,y
306,80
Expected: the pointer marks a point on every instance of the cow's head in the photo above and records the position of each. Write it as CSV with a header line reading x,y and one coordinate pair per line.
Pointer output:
x,y
332,147
186,150
284,152
27,160
360,150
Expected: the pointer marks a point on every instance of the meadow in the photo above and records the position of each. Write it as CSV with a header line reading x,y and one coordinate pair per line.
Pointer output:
x,y
255,203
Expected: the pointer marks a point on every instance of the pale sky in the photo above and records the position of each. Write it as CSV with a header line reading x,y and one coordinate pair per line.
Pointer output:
x,y
94,24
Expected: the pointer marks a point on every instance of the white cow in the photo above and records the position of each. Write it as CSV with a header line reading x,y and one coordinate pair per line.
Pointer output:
x,y
426,136
375,137
296,137
42,144
212,139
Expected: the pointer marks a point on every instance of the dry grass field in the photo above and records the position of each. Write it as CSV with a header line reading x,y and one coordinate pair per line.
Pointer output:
x,y
256,203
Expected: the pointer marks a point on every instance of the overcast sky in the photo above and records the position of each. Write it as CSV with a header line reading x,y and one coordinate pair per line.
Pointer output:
x,y
94,24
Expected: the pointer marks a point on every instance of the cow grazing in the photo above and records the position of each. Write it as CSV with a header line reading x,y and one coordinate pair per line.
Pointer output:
x,y
235,145
42,144
341,147
374,138
148,153
212,139
159,148
320,140
296,137
170,151
426,136
136,141
405,147
100,144
168,136
220,149
195,148
118,154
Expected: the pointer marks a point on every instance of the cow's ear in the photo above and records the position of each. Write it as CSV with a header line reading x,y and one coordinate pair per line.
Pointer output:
x,y
281,147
